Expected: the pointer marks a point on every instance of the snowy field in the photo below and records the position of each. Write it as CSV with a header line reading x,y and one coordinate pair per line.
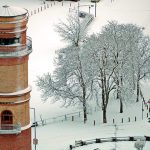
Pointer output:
x,y
45,40
59,136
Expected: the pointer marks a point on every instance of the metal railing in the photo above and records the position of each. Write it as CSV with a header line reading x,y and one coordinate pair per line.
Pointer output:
x,y
109,139
16,50
70,116
10,128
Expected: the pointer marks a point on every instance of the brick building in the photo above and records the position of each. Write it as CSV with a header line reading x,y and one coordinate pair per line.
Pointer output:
x,y
15,47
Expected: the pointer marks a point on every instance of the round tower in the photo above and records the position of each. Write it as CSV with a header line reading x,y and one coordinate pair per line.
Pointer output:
x,y
15,47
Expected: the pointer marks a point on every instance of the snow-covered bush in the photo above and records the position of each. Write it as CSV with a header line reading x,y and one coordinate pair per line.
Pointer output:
x,y
139,144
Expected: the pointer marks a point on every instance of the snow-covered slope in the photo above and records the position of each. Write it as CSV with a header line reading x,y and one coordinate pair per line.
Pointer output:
x,y
46,41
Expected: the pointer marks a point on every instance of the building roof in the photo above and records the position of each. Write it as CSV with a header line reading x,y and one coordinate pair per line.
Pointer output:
x,y
11,11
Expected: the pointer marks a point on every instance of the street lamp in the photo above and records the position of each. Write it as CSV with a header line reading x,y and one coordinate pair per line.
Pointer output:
x,y
35,141
95,7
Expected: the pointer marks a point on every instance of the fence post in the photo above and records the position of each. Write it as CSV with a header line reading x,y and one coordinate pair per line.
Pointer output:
x,y
94,123
147,115
42,120
122,120
135,118
70,147
128,119
41,8
72,118
79,113
113,120
70,4
65,117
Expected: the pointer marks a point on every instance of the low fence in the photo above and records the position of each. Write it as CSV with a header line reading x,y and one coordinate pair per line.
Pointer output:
x,y
76,116
40,9
109,139
129,119
45,6
70,116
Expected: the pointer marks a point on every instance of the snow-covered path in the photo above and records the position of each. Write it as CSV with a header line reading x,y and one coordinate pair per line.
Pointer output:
x,y
60,136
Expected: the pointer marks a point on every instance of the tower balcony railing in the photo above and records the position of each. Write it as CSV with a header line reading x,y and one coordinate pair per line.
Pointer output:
x,y
10,128
16,50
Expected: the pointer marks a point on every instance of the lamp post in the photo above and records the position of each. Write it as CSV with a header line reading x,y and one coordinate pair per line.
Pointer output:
x,y
35,141
95,7
149,105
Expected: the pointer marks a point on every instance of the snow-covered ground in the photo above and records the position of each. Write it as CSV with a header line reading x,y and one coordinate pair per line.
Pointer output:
x,y
45,40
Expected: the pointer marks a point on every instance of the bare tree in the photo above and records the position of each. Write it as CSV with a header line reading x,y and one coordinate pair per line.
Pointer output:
x,y
142,61
69,82
97,52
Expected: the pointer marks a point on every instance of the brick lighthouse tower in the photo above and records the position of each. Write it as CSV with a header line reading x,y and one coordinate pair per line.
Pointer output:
x,y
15,47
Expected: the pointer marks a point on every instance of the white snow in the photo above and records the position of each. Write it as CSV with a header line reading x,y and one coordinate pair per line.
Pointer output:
x,y
45,40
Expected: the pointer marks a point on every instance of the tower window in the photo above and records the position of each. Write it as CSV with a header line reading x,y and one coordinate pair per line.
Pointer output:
x,y
6,117
6,41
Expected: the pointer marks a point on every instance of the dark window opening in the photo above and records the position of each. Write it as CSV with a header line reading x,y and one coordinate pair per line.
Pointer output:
x,y
6,117
5,41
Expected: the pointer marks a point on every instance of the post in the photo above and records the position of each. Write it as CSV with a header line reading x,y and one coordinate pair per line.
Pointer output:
x,y
95,8
72,118
65,117
34,127
89,9
149,106
94,123
135,119
128,119
113,121
142,110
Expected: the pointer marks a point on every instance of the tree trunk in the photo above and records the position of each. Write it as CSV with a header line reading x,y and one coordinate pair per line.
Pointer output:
x,y
121,105
117,97
138,92
84,111
104,114
138,87
84,103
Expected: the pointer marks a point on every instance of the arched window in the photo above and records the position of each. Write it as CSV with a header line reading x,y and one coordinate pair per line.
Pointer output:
x,y
6,117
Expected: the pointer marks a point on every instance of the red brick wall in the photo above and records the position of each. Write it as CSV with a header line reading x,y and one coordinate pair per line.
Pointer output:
x,y
21,141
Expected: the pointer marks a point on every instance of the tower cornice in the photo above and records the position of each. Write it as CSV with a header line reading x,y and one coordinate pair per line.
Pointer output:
x,y
18,93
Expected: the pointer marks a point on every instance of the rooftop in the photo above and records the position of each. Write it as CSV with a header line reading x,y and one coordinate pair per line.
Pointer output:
x,y
11,11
